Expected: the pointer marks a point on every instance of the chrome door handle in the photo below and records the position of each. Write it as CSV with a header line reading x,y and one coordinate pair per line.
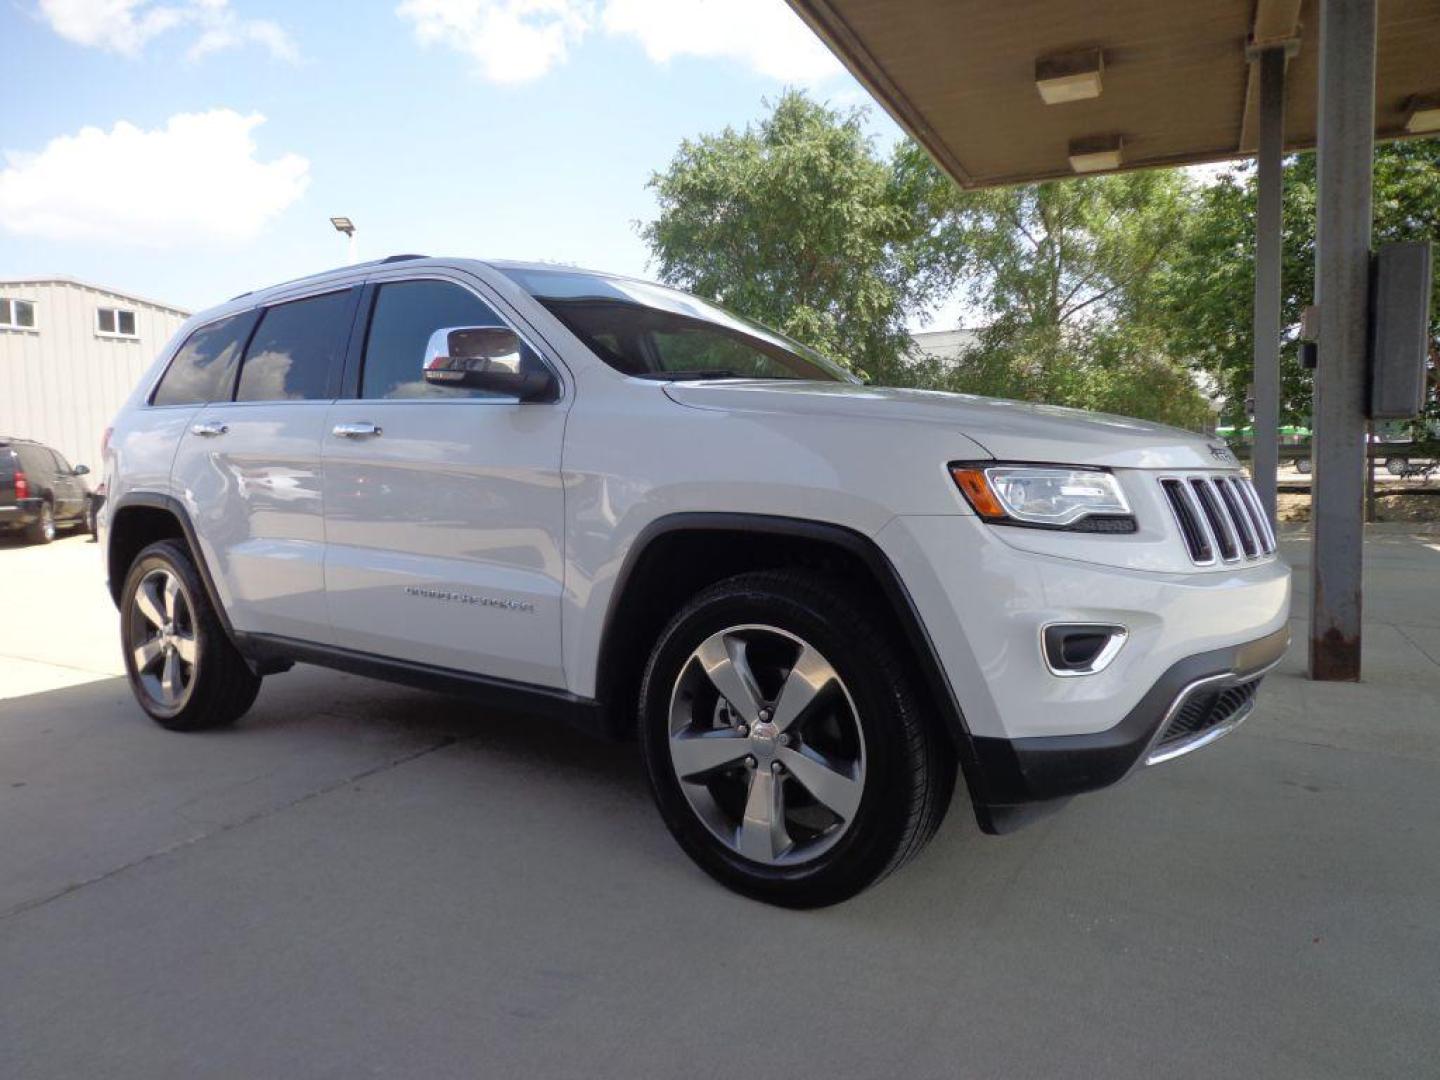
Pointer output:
x,y
359,430
209,428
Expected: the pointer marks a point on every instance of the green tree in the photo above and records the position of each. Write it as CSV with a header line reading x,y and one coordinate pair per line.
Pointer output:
x,y
795,222
1203,298
1055,271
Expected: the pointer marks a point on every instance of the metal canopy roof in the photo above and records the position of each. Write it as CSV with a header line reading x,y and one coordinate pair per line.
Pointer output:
x,y
959,75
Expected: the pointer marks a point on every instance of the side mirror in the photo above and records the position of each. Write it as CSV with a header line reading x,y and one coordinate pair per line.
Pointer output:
x,y
490,358
81,470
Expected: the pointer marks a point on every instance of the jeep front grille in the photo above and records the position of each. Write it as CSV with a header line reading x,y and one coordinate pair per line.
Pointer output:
x,y
1220,517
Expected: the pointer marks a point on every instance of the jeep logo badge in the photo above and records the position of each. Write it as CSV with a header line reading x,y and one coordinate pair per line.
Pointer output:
x,y
1223,454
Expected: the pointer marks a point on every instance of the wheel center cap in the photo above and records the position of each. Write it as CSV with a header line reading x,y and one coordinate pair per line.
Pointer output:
x,y
763,736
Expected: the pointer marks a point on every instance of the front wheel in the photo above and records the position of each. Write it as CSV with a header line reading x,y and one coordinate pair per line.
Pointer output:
x,y
786,744
183,669
1397,466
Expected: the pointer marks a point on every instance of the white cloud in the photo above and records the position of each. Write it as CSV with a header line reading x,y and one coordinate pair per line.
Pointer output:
x,y
765,34
514,41
197,179
518,40
126,26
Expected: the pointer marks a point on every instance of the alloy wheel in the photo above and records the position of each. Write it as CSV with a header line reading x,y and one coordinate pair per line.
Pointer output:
x,y
163,641
767,744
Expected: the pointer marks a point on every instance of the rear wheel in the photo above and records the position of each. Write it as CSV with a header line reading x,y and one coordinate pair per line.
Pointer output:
x,y
786,745
43,531
183,669
1397,466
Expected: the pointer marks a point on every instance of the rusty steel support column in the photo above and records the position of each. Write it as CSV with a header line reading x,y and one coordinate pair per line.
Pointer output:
x,y
1344,166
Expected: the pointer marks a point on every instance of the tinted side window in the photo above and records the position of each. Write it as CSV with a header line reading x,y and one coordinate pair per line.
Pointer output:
x,y
406,313
61,465
36,461
295,350
204,368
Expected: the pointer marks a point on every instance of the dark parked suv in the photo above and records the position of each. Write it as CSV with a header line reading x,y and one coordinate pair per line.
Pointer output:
x,y
40,490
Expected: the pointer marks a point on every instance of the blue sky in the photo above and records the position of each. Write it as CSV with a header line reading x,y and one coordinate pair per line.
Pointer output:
x,y
509,128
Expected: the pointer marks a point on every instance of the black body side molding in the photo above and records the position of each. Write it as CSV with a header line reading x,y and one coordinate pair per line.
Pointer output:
x,y
503,694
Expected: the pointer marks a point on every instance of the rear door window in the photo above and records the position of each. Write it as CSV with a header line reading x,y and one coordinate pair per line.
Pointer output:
x,y
35,462
204,368
296,351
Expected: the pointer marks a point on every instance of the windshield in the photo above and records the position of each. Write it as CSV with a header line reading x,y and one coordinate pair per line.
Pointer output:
x,y
653,332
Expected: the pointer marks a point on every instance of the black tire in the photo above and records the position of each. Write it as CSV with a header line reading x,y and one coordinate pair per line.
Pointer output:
x,y
909,771
1304,466
1396,466
43,531
87,522
221,687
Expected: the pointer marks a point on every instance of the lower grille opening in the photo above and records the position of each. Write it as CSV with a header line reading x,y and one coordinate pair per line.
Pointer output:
x,y
1204,711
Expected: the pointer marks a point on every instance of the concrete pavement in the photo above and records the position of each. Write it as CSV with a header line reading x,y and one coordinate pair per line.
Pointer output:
x,y
366,880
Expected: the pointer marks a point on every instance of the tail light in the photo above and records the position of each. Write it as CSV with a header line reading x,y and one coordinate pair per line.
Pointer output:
x,y
22,485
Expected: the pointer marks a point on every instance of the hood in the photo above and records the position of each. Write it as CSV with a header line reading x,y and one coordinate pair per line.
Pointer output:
x,y
1008,430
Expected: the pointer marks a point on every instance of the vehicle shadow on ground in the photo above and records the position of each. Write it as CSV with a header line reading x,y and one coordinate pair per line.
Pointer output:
x,y
107,788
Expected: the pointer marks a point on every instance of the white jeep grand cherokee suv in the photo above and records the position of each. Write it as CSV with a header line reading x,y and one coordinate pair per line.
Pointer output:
x,y
586,495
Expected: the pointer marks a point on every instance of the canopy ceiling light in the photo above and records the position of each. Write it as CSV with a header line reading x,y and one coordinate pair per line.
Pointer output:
x,y
1096,153
1069,76
1424,113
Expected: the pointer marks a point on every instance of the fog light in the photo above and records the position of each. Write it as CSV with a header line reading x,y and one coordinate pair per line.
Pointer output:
x,y
1081,648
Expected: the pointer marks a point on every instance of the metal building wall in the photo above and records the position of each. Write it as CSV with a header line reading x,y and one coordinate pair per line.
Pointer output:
x,y
63,383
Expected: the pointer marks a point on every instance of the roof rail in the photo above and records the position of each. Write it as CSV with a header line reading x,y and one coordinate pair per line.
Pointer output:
x,y
401,258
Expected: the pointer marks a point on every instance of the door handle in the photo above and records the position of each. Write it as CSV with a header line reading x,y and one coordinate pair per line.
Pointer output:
x,y
356,430
209,428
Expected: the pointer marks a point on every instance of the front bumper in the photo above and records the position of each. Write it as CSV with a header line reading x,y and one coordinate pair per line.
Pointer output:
x,y
1192,704
1030,735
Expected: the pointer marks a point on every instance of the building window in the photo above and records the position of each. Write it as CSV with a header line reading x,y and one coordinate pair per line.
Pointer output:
x,y
114,322
17,314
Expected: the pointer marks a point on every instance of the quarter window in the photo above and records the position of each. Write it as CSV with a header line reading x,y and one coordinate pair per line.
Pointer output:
x,y
114,322
296,350
204,368
406,313
17,314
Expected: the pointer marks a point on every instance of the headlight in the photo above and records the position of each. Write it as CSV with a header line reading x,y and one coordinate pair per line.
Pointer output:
x,y
1046,496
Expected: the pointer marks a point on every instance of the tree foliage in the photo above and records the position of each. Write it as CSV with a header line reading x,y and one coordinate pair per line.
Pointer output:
x,y
1053,272
1110,293
1204,297
794,222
